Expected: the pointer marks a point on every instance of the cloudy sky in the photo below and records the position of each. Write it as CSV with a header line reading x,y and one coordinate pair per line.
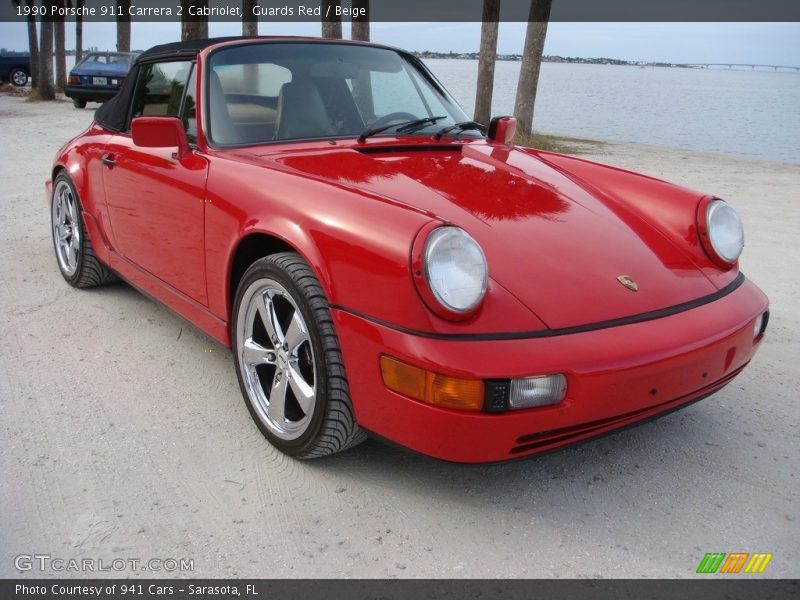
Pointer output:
x,y
761,43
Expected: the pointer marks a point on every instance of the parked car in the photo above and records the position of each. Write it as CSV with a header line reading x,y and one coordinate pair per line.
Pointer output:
x,y
98,77
379,263
15,69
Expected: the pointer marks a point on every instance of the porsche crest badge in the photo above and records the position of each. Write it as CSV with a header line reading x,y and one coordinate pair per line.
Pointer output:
x,y
628,282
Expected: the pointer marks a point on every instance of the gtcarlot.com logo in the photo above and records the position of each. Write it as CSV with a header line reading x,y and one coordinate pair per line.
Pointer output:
x,y
734,562
47,562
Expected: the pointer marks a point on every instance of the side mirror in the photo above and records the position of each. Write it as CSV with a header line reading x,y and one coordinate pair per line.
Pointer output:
x,y
160,132
502,129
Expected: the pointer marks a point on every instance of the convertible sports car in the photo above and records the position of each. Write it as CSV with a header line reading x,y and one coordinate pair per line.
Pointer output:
x,y
379,263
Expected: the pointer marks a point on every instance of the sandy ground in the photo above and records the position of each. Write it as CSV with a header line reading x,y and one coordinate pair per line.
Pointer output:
x,y
124,434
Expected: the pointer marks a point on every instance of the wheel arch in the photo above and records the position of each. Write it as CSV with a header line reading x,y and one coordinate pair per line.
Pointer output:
x,y
252,247
57,168
66,163
77,177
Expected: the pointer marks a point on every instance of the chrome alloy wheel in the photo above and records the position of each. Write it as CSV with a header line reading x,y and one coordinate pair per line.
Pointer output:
x,y
19,78
276,359
66,228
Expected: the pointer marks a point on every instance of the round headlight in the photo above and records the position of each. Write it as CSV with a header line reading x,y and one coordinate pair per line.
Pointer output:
x,y
455,269
725,230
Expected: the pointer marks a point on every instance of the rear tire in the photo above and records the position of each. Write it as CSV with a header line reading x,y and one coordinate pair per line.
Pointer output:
x,y
74,253
288,359
79,102
18,77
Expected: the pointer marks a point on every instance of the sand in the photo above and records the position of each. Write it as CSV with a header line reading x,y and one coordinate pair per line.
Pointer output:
x,y
124,434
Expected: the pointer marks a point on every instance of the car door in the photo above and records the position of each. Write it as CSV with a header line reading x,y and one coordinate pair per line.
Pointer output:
x,y
156,201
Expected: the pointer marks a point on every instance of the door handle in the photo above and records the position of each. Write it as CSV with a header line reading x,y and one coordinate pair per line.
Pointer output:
x,y
108,160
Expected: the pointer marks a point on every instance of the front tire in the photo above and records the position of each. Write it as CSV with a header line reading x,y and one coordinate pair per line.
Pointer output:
x,y
74,253
288,359
18,77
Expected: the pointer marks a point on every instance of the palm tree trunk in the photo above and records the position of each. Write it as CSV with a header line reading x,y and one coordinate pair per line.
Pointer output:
x,y
250,28
123,26
193,27
331,24
531,62
249,20
60,51
79,33
362,86
45,82
360,26
487,58
33,47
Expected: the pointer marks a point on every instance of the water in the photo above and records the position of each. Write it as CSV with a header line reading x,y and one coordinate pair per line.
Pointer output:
x,y
743,113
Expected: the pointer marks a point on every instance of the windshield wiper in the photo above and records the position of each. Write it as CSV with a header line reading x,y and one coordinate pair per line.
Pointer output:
x,y
458,128
405,127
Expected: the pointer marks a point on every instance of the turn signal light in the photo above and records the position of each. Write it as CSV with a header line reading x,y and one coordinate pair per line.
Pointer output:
x,y
432,388
760,325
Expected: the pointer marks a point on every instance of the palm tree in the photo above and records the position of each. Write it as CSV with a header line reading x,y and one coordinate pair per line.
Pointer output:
x,y
488,55
45,79
79,32
250,28
249,20
362,86
331,24
33,46
194,27
123,26
60,50
360,27
531,61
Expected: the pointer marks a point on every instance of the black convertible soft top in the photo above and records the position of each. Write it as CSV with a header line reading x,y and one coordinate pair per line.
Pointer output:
x,y
183,49
113,115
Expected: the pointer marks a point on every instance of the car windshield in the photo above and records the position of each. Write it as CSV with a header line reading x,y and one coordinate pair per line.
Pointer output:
x,y
259,93
108,58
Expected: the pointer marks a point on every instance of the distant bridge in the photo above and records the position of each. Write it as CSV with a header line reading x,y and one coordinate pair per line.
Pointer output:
x,y
731,65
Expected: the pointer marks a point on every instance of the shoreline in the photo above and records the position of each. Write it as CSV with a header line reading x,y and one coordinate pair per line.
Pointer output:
x,y
581,146
614,62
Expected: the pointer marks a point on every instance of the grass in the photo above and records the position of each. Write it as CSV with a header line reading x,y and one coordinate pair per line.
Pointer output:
x,y
557,143
10,90
30,94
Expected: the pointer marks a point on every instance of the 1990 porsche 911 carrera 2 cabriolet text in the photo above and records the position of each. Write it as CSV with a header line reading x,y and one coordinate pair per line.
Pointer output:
x,y
379,263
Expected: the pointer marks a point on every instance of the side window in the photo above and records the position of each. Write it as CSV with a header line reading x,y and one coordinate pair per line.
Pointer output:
x,y
189,110
159,89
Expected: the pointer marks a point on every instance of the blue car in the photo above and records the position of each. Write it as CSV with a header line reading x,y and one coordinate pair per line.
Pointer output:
x,y
98,76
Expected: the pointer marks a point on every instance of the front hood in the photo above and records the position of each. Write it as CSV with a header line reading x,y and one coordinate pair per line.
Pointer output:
x,y
553,244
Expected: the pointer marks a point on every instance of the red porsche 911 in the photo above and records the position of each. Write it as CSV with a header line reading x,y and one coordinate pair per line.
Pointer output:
x,y
380,264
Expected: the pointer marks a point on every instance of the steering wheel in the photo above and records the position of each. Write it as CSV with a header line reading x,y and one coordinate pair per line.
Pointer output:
x,y
395,116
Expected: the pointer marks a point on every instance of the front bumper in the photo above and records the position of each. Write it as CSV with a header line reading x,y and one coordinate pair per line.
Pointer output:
x,y
616,377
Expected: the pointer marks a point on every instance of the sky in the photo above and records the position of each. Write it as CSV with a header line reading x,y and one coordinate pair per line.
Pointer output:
x,y
756,43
